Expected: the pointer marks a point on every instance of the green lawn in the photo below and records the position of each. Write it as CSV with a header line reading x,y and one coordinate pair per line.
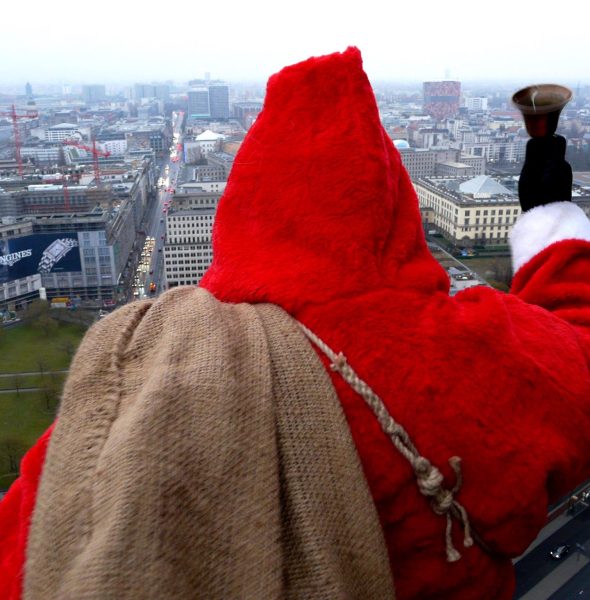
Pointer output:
x,y
29,381
24,347
24,416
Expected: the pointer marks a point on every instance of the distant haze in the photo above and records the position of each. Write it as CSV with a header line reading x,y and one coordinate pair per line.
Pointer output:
x,y
109,41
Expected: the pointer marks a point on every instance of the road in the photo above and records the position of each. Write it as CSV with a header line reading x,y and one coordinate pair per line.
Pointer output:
x,y
156,221
536,571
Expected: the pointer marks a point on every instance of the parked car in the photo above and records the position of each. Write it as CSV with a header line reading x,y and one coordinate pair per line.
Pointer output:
x,y
560,551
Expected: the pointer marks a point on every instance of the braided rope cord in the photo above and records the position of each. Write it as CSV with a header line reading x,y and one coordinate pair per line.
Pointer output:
x,y
428,477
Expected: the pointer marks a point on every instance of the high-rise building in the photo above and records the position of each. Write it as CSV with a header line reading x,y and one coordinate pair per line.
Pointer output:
x,y
93,93
478,103
209,101
219,101
442,99
150,90
28,90
198,103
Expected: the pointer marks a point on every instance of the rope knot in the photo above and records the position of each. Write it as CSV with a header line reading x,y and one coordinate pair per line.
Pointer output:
x,y
443,502
339,362
429,478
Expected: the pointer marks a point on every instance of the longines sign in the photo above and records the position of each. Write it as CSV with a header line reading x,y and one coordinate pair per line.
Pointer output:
x,y
39,253
11,259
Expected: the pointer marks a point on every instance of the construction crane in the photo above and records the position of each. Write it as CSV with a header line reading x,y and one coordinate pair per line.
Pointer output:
x,y
30,114
95,154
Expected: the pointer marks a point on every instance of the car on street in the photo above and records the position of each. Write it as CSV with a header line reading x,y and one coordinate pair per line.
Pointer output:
x,y
560,551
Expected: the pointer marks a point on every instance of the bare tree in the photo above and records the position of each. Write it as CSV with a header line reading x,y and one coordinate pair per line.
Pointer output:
x,y
17,384
51,392
69,348
37,308
46,324
12,449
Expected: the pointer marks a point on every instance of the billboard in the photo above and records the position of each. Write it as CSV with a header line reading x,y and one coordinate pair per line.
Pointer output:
x,y
39,253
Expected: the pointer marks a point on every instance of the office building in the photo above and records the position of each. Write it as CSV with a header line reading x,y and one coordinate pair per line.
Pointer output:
x,y
94,93
188,252
63,131
158,91
210,101
219,101
476,104
198,103
442,99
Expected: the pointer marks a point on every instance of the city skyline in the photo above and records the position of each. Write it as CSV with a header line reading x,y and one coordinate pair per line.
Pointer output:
x,y
250,41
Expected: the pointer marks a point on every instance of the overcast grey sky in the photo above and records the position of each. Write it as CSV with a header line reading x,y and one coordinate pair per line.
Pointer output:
x,y
112,41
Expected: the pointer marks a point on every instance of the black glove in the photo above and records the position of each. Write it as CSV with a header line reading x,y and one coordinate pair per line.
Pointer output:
x,y
546,176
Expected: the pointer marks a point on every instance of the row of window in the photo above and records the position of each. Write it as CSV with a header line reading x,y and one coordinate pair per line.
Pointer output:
x,y
507,220
189,239
190,268
492,211
173,220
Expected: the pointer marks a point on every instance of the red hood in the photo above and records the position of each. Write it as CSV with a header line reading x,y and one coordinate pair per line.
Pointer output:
x,y
318,205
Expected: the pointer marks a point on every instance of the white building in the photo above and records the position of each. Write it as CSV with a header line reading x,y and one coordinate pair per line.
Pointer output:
x,y
61,132
203,186
497,150
476,103
42,154
115,147
477,211
209,141
188,252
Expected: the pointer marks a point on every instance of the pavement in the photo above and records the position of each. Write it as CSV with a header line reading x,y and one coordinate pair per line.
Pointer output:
x,y
538,576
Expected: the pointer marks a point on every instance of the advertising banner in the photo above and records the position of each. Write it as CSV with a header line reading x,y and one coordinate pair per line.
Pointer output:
x,y
39,253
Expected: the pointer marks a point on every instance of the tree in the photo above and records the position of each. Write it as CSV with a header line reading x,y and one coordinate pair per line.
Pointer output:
x,y
12,451
37,308
501,272
46,324
51,392
69,348
17,385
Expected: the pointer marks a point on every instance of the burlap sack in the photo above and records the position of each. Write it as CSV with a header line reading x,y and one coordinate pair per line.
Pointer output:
x,y
201,452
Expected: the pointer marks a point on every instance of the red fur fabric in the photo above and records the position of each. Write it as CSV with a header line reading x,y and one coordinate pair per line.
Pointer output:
x,y
320,217
16,509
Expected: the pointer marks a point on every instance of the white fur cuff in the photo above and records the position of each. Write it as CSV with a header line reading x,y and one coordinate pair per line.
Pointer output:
x,y
544,225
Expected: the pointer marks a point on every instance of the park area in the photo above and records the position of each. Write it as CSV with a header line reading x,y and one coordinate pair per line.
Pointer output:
x,y
35,356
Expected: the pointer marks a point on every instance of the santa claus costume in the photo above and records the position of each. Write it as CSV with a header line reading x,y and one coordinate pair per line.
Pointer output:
x,y
484,396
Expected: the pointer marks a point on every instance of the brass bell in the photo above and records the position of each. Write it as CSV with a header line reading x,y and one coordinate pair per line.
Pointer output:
x,y
541,106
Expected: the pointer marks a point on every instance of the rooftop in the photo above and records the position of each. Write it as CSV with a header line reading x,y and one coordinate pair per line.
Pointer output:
x,y
483,184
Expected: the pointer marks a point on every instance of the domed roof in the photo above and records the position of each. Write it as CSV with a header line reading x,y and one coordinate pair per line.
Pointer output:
x,y
401,144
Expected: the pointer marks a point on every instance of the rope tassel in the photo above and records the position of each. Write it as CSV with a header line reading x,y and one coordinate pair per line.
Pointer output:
x,y
428,477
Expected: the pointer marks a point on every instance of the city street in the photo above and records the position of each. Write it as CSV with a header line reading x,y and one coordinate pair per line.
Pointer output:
x,y
538,575
156,220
